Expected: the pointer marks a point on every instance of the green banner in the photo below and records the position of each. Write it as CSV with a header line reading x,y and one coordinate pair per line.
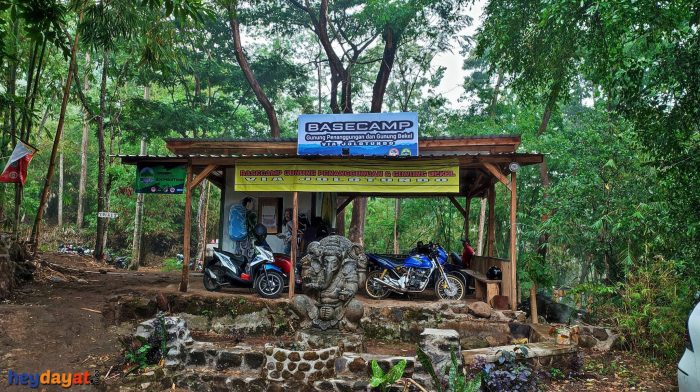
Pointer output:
x,y
161,178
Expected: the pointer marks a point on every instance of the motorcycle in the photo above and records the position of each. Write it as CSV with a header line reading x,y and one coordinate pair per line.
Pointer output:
x,y
265,273
414,274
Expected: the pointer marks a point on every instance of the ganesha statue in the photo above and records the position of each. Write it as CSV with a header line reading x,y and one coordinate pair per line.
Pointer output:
x,y
331,273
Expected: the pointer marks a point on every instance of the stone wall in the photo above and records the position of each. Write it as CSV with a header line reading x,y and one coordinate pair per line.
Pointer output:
x,y
303,366
253,316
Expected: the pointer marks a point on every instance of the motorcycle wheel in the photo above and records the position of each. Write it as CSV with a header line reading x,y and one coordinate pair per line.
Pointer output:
x,y
373,289
269,285
443,290
210,283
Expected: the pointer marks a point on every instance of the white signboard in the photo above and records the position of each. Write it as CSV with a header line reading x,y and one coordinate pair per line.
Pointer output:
x,y
376,134
106,214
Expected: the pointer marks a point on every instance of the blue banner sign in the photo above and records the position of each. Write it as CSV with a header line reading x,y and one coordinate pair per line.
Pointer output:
x,y
376,134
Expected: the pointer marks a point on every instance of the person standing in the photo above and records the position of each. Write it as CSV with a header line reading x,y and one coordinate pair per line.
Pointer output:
x,y
287,227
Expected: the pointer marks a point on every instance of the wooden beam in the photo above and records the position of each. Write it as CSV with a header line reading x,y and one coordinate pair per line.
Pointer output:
x,y
513,242
294,251
344,204
202,175
184,281
496,173
458,206
491,230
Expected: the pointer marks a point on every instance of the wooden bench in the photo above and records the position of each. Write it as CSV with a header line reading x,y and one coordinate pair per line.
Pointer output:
x,y
484,288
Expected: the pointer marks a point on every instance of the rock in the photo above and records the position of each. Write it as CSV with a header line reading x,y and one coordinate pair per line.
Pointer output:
x,y
227,360
600,333
500,302
253,323
480,309
254,360
437,344
178,338
587,341
58,279
194,322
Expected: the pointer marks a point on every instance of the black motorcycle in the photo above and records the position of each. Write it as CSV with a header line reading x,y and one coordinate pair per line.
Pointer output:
x,y
260,272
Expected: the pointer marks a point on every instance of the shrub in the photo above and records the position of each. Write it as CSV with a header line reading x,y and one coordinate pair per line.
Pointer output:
x,y
656,299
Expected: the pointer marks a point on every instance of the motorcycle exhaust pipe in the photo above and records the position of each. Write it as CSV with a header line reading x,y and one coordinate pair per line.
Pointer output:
x,y
394,288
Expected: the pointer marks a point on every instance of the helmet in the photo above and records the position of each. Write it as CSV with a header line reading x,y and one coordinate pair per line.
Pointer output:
x,y
494,273
260,230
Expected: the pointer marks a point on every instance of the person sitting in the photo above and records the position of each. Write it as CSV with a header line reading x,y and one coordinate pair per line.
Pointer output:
x,y
467,254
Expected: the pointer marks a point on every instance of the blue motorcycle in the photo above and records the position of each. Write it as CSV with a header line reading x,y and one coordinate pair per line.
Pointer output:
x,y
414,274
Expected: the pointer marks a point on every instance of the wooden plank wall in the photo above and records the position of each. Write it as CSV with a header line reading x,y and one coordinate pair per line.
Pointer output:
x,y
483,263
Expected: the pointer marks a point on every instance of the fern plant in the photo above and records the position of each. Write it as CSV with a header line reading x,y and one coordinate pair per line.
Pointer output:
x,y
457,381
383,380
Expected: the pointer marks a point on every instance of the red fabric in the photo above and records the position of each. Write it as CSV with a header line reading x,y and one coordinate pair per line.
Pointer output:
x,y
17,170
467,254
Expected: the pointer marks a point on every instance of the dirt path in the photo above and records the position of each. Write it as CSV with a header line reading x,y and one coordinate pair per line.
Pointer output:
x,y
54,324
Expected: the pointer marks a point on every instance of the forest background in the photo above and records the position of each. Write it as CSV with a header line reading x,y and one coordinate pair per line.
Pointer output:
x,y
609,91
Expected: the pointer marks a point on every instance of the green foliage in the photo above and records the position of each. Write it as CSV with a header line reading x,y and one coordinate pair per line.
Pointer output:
x,y
457,380
556,374
171,264
656,299
138,357
424,360
383,380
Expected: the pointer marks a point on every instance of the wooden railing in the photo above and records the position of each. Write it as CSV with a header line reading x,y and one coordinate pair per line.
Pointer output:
x,y
483,263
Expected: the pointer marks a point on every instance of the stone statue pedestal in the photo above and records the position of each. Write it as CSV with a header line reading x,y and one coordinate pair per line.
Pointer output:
x,y
317,339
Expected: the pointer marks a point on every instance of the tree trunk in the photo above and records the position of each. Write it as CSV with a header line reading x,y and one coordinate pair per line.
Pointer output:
x,y
11,93
480,235
397,214
248,72
533,304
494,98
356,232
57,139
84,151
138,215
202,220
60,190
388,57
101,186
543,241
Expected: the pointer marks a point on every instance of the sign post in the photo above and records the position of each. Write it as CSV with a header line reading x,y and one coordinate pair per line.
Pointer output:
x,y
160,178
358,134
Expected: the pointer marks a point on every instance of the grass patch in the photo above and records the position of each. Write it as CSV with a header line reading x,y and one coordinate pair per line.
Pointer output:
x,y
171,264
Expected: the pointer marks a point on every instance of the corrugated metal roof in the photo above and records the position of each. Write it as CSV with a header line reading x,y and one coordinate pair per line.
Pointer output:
x,y
128,156
293,139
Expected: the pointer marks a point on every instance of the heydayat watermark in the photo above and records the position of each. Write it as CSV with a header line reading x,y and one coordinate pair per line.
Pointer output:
x,y
48,377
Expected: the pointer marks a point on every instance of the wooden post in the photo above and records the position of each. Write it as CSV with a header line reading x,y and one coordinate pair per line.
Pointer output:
x,y
513,242
204,237
467,204
187,231
491,232
294,250
480,232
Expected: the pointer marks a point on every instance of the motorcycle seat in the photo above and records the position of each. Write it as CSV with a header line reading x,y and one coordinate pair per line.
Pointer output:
x,y
238,258
393,261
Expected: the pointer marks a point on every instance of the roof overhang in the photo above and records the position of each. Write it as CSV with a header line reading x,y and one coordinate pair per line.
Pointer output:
x,y
492,144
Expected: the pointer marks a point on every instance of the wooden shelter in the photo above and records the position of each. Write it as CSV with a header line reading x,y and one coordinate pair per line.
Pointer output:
x,y
482,161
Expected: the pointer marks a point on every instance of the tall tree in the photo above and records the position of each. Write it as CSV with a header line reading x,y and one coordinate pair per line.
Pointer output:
x,y
36,229
82,184
232,10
